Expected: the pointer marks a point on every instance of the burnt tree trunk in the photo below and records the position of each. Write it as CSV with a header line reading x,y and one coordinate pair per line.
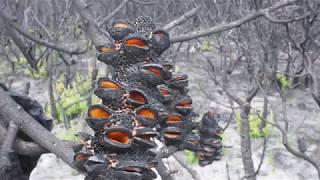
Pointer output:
x,y
246,144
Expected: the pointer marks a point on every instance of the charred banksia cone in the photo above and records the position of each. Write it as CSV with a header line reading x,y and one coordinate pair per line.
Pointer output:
x,y
142,101
210,139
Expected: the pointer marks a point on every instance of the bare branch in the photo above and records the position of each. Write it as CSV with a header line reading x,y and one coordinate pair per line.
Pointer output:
x,y
109,16
284,21
8,19
231,25
181,19
90,27
146,3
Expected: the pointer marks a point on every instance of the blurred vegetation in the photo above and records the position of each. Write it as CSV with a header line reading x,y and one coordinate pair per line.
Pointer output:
x,y
29,72
283,81
72,100
191,157
255,122
69,134
206,46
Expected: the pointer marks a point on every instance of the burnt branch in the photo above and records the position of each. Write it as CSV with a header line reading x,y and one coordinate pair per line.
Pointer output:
x,y
6,148
9,20
230,25
14,112
109,16
30,149
90,27
181,19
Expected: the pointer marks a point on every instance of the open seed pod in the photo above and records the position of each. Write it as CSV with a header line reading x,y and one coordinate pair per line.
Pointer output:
x,y
143,136
108,54
133,170
134,45
209,150
207,156
152,74
212,131
79,160
98,117
203,161
183,105
96,165
190,142
215,142
96,170
165,93
143,121
109,91
178,81
120,29
160,41
117,138
146,117
96,159
167,66
174,119
137,98
172,135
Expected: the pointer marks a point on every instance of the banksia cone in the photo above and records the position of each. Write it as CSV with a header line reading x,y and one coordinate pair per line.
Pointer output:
x,y
142,101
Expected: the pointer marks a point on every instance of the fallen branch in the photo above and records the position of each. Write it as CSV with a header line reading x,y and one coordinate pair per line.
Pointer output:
x,y
30,149
14,112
